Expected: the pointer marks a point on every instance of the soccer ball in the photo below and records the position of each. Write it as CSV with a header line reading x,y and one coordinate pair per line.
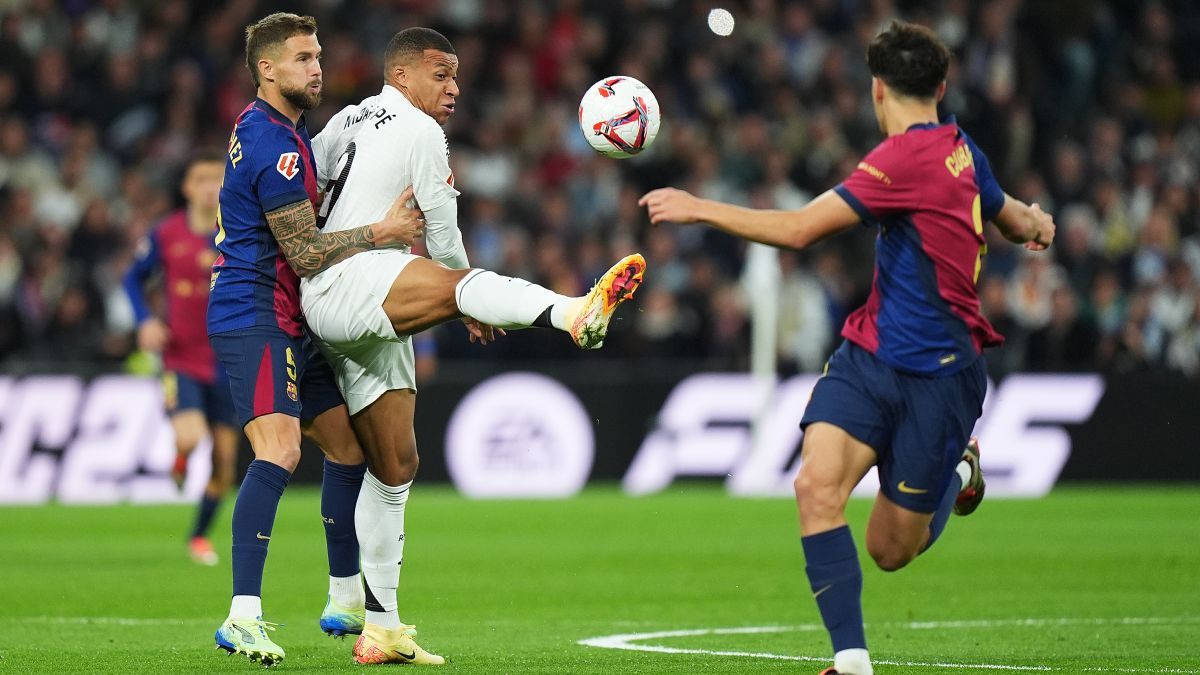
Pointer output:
x,y
619,116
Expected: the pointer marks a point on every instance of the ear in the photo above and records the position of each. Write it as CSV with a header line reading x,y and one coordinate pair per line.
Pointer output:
x,y
941,93
877,89
266,71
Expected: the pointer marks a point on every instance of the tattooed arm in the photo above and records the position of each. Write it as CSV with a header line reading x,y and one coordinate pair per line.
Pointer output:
x,y
310,251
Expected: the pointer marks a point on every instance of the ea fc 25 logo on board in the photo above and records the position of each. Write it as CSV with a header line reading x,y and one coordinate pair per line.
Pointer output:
x,y
288,165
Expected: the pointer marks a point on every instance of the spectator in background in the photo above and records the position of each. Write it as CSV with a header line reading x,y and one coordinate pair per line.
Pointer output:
x,y
1067,342
1105,309
100,101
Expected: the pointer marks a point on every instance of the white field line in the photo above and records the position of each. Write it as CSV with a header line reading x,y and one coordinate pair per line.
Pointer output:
x,y
104,620
627,641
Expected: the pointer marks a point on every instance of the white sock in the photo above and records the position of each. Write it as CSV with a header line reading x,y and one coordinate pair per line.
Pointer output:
x,y
507,302
379,520
245,607
853,662
347,591
964,472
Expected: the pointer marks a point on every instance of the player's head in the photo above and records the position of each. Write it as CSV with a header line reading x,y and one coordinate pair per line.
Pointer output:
x,y
421,63
282,53
907,61
201,184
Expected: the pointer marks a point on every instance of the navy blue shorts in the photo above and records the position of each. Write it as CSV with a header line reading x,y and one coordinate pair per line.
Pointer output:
x,y
182,392
918,425
273,372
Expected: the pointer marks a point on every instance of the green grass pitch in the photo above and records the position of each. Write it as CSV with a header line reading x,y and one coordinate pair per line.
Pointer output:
x,y
1103,580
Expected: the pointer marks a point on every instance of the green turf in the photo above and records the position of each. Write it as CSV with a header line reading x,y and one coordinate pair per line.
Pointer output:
x,y
1088,580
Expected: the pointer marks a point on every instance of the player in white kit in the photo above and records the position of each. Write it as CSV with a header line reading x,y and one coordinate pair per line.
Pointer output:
x,y
364,309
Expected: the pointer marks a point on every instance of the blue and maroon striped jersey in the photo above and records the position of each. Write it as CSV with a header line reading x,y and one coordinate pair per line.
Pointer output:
x,y
185,259
929,190
269,165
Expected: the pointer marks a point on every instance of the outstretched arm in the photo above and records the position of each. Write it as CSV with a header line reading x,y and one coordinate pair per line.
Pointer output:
x,y
1025,224
310,251
152,333
824,216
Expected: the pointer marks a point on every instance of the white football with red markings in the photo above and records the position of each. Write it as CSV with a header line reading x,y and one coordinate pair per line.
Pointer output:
x,y
619,116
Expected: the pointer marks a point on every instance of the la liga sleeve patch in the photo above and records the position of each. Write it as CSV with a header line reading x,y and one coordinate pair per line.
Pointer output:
x,y
288,165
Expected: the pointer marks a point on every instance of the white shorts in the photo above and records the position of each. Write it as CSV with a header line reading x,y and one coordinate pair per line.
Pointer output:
x,y
343,307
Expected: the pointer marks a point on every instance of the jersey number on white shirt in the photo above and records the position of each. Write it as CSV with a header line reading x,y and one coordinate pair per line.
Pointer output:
x,y
342,171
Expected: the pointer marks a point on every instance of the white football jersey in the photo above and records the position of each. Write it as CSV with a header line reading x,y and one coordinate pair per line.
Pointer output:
x,y
368,153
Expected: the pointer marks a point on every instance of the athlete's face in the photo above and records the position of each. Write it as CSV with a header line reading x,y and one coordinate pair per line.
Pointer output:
x,y
430,81
296,70
202,185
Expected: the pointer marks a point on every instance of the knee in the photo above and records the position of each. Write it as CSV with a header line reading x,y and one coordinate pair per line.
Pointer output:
x,y
348,452
286,456
889,555
398,469
817,499
222,478
186,438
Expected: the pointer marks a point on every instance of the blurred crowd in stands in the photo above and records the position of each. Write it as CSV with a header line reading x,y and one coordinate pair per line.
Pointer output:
x,y
1089,108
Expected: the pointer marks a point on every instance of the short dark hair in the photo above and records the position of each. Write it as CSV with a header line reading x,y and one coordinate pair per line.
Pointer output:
x,y
910,59
272,31
412,42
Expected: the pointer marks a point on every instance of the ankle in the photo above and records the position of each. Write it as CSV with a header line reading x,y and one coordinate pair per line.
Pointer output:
x,y
853,662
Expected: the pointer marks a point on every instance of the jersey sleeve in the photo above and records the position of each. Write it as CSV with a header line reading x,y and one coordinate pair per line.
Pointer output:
x,y
433,182
146,260
328,145
991,197
443,238
881,185
279,171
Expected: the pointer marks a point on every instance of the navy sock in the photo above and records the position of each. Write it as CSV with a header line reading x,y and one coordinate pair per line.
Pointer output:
x,y
340,485
204,515
253,518
942,515
836,579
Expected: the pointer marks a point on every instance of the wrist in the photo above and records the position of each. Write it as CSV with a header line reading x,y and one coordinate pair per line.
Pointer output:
x,y
705,210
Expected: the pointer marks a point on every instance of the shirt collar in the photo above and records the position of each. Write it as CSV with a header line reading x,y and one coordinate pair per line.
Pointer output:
x,y
272,112
393,94
949,119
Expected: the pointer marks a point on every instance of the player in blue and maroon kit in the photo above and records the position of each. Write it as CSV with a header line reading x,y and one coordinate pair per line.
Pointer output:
x,y
905,388
278,380
195,387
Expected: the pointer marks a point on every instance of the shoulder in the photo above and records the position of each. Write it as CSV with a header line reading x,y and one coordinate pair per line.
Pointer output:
x,y
890,150
168,224
411,123
261,135
340,119
429,136
886,162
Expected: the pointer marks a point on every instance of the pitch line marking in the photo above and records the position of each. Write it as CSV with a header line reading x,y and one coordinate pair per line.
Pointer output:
x,y
626,641
105,620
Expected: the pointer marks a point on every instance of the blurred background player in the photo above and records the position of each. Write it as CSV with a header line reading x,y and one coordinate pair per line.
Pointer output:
x,y
277,379
364,310
905,388
195,387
